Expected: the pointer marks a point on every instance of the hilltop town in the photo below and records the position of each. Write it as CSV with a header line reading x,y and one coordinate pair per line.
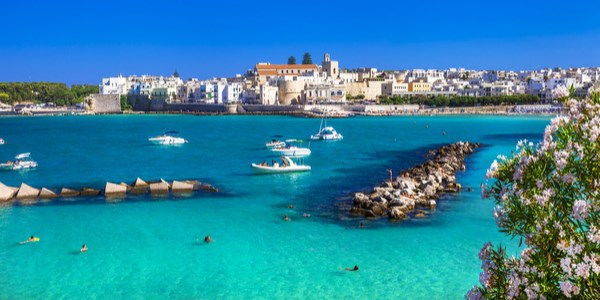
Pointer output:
x,y
309,83
310,89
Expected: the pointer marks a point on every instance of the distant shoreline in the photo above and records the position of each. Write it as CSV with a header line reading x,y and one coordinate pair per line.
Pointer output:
x,y
318,111
288,114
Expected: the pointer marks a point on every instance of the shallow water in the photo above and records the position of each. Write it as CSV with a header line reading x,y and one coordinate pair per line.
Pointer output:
x,y
145,247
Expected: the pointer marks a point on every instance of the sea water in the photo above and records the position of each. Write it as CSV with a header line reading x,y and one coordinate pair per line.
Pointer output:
x,y
146,247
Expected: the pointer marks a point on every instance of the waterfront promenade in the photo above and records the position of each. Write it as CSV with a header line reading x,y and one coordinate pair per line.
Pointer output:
x,y
348,110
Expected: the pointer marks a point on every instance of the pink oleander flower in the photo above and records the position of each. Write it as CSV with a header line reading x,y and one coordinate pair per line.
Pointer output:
x,y
560,91
539,184
544,197
580,209
493,170
484,253
532,291
474,294
526,254
574,249
593,261
594,234
582,270
568,178
565,265
561,158
484,278
499,215
546,193
569,289
514,281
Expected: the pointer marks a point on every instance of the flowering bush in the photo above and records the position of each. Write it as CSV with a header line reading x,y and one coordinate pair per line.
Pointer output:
x,y
548,195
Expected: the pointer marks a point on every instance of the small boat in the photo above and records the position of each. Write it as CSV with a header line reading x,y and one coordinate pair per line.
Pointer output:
x,y
168,138
292,151
287,165
22,161
327,133
2,142
275,144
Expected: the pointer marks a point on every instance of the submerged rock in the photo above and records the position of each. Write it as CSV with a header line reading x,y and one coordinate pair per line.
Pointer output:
x,y
418,187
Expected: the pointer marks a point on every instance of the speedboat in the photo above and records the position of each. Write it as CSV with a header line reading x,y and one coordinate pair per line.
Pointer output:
x,y
287,165
292,151
22,161
327,133
168,138
275,144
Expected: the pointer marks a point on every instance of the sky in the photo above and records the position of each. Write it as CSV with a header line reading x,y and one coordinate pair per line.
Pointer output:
x,y
82,41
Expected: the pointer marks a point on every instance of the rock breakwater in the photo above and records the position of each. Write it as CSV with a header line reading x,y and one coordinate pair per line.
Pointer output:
x,y
417,189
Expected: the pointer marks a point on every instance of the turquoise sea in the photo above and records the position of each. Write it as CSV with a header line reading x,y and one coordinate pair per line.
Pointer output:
x,y
148,248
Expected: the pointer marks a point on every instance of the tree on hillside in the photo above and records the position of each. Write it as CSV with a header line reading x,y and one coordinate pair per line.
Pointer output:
x,y
306,59
291,60
176,74
548,196
4,97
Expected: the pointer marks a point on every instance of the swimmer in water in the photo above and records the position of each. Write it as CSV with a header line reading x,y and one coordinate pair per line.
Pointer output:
x,y
83,249
286,218
352,269
208,239
31,239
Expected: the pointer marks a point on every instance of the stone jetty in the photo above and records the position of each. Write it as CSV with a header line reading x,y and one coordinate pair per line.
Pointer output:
x,y
417,189
28,194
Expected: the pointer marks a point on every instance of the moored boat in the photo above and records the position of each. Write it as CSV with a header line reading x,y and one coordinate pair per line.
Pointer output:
x,y
327,133
287,165
275,144
21,162
2,142
292,151
168,138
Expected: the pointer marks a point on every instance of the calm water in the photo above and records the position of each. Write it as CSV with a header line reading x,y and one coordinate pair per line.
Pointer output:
x,y
146,247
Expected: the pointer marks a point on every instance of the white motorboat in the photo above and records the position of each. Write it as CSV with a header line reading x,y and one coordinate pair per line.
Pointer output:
x,y
2,142
292,151
275,144
287,165
22,161
168,139
327,133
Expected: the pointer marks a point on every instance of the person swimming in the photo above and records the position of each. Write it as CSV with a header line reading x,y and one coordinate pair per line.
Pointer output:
x,y
286,218
31,239
352,269
208,239
83,249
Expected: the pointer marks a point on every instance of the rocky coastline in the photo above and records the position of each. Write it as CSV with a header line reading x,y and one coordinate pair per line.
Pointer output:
x,y
416,190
